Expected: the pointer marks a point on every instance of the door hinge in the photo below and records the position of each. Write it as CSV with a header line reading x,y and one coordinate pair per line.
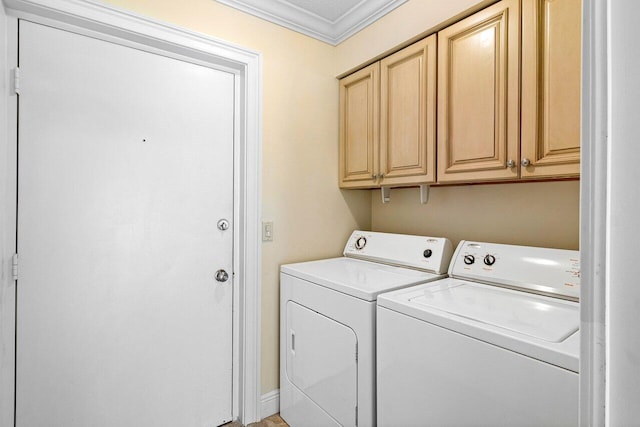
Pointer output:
x,y
356,352
16,81
14,266
356,415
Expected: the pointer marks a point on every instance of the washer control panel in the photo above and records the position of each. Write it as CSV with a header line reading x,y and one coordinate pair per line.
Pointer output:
x,y
425,253
554,272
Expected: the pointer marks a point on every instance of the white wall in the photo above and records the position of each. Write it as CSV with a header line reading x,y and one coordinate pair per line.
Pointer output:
x,y
623,364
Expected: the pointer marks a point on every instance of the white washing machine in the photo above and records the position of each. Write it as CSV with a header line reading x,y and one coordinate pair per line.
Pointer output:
x,y
327,324
494,344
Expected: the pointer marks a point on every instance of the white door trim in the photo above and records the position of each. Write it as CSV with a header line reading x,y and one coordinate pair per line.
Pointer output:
x,y
594,247
112,24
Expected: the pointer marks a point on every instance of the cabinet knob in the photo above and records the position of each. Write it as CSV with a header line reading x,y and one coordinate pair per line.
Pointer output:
x,y
380,175
511,163
525,162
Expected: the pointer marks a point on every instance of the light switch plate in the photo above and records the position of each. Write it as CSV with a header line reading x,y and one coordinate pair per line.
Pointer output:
x,y
267,231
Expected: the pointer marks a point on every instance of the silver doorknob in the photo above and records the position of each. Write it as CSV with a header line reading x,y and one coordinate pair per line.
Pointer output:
x,y
525,162
511,163
222,276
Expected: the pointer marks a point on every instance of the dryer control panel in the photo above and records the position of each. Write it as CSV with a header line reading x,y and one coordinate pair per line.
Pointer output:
x,y
553,272
421,252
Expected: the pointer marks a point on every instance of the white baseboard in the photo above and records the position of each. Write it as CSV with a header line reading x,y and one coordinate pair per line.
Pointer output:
x,y
270,403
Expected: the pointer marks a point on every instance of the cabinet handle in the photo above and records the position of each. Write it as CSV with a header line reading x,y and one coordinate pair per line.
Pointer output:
x,y
380,175
511,163
525,162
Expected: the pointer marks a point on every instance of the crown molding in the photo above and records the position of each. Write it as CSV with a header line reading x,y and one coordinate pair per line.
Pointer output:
x,y
313,25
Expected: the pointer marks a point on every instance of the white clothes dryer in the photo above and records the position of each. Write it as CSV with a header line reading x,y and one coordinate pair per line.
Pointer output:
x,y
494,344
327,324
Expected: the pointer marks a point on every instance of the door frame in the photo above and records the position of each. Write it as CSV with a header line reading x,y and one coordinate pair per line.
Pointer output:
x,y
115,25
594,214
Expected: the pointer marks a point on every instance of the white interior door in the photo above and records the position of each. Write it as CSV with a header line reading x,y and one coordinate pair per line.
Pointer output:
x,y
125,167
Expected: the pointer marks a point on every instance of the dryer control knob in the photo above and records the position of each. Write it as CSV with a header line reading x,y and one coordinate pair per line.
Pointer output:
x,y
469,259
489,259
427,253
361,242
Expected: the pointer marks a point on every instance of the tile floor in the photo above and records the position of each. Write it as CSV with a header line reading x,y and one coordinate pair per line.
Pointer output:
x,y
272,421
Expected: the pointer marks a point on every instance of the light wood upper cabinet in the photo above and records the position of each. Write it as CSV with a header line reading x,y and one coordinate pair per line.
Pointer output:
x,y
359,127
506,82
551,44
478,96
408,115
387,120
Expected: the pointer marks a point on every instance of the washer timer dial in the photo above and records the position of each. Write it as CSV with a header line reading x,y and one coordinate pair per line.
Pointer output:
x,y
361,242
489,259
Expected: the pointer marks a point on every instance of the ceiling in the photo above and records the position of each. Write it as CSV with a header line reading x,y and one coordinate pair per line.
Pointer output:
x,y
331,21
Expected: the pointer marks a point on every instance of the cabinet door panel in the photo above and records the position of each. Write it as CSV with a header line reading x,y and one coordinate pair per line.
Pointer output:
x,y
408,114
551,87
478,99
359,104
473,97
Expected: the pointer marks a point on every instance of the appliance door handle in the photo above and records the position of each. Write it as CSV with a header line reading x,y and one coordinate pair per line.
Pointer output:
x,y
293,341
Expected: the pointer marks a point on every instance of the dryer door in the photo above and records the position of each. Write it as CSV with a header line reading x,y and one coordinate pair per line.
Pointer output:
x,y
322,362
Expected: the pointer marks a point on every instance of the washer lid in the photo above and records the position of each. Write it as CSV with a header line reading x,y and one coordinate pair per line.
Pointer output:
x,y
358,278
538,317
538,326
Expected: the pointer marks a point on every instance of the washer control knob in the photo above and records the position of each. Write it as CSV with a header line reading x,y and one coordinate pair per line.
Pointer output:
x,y
489,259
361,242
427,253
469,259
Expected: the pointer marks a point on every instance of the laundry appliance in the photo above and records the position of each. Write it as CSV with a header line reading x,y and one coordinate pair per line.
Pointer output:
x,y
328,318
494,344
